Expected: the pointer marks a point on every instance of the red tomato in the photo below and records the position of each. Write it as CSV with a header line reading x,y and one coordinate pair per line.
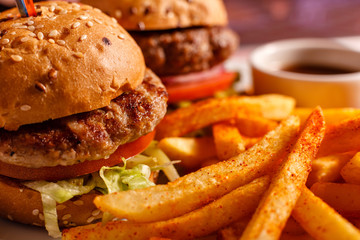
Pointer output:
x,y
200,89
64,172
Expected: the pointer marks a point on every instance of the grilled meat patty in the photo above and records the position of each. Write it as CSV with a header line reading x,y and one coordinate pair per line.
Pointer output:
x,y
181,51
87,136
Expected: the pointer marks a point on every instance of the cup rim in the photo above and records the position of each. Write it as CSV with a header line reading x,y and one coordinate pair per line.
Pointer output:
x,y
306,44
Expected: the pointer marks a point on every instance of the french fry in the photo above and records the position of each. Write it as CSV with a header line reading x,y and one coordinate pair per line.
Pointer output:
x,y
228,141
321,221
254,126
198,223
198,188
351,171
327,169
191,151
342,137
278,201
332,115
207,112
343,197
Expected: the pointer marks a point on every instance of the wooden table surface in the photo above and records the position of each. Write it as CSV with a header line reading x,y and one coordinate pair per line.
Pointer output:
x,y
259,21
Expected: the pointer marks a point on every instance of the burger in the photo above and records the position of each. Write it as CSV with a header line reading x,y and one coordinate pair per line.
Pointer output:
x,y
185,42
75,96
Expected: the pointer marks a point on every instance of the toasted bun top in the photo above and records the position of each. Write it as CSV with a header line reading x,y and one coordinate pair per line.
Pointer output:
x,y
163,14
69,59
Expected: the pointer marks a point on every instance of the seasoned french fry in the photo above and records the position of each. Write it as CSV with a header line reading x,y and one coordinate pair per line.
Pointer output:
x,y
321,221
278,201
343,197
207,112
351,171
332,115
327,169
191,151
194,190
254,126
223,211
342,137
228,141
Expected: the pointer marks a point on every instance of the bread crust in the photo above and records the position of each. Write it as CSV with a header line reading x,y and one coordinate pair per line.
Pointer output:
x,y
21,204
69,59
164,14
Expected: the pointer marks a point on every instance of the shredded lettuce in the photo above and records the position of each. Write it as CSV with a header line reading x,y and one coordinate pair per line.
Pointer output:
x,y
133,175
61,191
119,179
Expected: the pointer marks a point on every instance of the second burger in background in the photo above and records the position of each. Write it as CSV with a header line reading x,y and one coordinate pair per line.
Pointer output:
x,y
184,42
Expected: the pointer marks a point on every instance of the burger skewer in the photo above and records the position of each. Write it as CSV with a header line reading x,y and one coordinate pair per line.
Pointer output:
x,y
26,8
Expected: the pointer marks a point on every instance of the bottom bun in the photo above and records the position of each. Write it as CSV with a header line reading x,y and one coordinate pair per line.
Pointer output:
x,y
21,204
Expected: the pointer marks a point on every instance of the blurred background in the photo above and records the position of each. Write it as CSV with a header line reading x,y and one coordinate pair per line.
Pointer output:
x,y
259,21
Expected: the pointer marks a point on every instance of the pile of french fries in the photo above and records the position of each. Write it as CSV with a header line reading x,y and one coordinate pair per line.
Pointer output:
x,y
267,170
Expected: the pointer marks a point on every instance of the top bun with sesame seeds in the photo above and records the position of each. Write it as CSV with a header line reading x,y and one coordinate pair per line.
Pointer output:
x,y
70,52
164,14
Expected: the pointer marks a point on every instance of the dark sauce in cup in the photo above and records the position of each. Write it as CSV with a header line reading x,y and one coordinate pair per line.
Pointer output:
x,y
317,69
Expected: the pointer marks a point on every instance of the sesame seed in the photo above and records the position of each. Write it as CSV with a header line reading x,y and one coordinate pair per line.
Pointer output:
x,y
24,39
65,222
25,108
58,9
10,217
79,202
52,8
66,216
21,27
12,33
141,25
52,41
32,34
98,21
29,23
75,25
118,13
75,5
16,58
121,36
41,216
31,28
41,87
9,15
90,219
89,24
16,25
114,20
96,212
40,36
79,54
21,189
53,33
4,41
83,37
63,12
60,207
53,73
61,42
35,212
97,10
39,26
84,17
36,224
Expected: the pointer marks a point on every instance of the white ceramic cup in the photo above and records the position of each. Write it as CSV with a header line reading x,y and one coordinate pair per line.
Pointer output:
x,y
310,90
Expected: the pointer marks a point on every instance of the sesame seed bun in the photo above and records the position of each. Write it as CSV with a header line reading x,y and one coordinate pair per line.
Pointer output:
x,y
71,52
163,14
21,204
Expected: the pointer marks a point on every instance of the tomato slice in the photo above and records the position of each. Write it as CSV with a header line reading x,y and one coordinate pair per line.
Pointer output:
x,y
63,172
200,89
